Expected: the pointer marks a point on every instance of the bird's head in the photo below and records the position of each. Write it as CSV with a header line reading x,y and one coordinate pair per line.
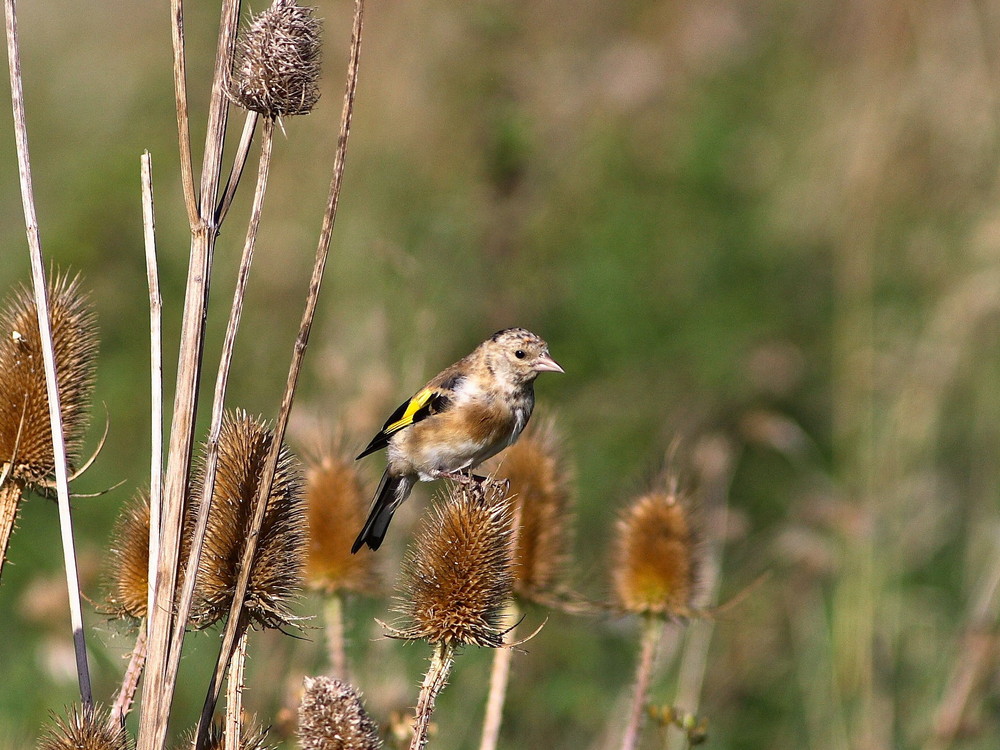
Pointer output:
x,y
518,355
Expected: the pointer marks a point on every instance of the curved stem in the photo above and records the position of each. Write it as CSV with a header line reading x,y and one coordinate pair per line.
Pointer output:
x,y
436,678
652,630
499,677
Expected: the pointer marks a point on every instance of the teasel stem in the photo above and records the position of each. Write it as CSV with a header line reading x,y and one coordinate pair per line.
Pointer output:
x,y
234,695
10,502
48,356
181,107
239,162
500,672
333,615
123,699
652,631
164,655
155,375
218,402
233,624
499,678
442,659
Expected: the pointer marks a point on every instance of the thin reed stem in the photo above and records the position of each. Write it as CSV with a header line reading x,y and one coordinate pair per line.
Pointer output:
x,y
130,681
181,106
298,353
48,356
651,634
333,616
155,376
239,162
442,659
499,678
234,695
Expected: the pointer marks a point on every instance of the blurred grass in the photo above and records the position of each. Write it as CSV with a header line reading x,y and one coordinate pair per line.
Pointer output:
x,y
776,221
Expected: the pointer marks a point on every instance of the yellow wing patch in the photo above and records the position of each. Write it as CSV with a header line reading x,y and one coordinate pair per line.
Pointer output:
x,y
416,403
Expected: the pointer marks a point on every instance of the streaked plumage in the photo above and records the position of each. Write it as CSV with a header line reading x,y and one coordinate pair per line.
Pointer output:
x,y
464,415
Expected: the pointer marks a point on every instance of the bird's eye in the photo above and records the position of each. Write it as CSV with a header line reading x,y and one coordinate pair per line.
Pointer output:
x,y
520,354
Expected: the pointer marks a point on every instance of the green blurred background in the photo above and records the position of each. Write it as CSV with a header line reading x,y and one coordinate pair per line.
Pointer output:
x,y
770,229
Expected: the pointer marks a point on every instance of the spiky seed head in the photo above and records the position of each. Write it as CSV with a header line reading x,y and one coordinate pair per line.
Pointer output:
x,y
457,575
252,737
333,717
277,564
24,404
277,62
85,728
128,562
336,502
655,562
539,480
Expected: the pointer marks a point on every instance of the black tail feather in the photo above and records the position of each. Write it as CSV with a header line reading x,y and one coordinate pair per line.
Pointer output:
x,y
383,506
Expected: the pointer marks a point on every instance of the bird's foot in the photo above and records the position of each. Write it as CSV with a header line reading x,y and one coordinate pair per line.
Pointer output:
x,y
459,477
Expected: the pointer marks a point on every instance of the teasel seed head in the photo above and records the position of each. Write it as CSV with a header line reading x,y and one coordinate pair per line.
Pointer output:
x,y
277,565
24,401
655,564
128,561
457,575
333,717
337,503
252,737
86,728
277,62
539,479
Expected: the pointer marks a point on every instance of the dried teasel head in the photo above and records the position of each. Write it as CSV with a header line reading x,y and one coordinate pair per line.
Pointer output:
x,y
252,737
332,717
457,575
539,479
86,728
277,564
128,561
25,434
655,566
277,62
337,503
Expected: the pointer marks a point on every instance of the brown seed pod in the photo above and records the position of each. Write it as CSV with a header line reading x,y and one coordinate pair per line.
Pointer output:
x,y
252,737
539,481
277,565
25,434
128,561
277,62
457,575
332,717
86,728
655,560
336,502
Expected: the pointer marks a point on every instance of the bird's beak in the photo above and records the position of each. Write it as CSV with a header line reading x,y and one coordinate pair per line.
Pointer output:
x,y
545,363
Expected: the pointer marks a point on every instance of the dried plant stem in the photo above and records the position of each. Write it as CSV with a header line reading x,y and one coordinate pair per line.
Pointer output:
x,y
10,501
235,620
239,162
155,375
48,356
164,655
442,659
651,633
333,615
234,695
499,677
130,681
181,105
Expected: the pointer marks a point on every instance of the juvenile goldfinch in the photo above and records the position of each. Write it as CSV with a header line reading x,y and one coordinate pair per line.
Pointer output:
x,y
464,415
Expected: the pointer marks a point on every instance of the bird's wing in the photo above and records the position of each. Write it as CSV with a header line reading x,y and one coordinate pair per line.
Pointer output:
x,y
421,405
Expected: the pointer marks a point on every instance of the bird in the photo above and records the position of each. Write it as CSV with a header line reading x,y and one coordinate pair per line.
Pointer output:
x,y
464,415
